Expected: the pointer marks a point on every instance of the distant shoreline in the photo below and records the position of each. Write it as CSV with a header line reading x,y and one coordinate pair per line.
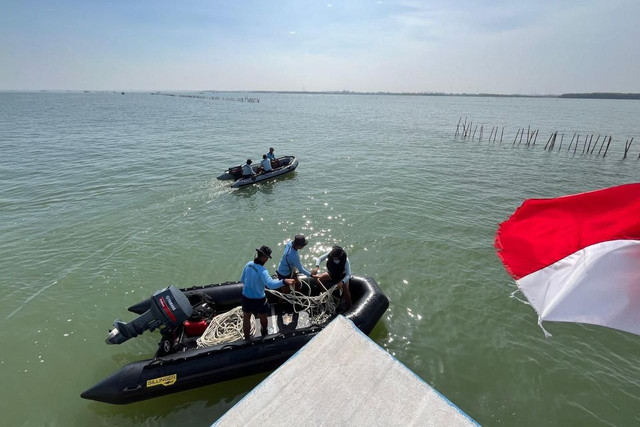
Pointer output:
x,y
591,95
586,95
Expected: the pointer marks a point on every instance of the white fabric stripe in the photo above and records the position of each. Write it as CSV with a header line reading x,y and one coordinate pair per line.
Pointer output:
x,y
599,284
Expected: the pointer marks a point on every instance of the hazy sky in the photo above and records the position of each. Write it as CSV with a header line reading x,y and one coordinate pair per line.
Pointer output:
x,y
499,46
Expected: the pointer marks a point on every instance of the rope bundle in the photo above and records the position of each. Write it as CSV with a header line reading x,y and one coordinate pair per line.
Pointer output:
x,y
227,327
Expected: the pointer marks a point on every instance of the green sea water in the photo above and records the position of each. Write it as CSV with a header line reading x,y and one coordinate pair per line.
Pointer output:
x,y
105,198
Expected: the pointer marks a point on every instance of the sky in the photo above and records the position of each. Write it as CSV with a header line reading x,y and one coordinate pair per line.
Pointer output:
x,y
466,46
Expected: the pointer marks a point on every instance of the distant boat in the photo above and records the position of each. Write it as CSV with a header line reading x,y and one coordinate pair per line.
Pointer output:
x,y
286,164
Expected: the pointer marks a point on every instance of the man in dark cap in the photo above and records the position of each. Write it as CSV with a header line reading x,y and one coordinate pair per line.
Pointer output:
x,y
255,278
338,271
291,258
247,170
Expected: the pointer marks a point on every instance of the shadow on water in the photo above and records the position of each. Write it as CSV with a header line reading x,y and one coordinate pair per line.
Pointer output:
x,y
265,187
214,400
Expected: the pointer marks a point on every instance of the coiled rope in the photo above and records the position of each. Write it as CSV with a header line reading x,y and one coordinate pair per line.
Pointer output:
x,y
227,327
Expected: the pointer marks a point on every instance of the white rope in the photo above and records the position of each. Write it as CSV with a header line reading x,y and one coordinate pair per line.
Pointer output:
x,y
226,327
513,295
319,307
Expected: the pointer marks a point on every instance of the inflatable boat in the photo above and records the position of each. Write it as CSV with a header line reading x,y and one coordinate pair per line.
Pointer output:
x,y
180,365
285,164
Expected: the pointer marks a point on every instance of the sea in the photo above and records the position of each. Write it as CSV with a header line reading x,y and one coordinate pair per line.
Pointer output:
x,y
107,197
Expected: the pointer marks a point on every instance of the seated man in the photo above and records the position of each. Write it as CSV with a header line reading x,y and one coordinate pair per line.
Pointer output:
x,y
291,258
255,278
266,164
271,155
247,170
338,270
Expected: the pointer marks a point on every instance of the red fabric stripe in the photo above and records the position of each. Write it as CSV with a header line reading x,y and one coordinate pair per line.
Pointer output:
x,y
544,231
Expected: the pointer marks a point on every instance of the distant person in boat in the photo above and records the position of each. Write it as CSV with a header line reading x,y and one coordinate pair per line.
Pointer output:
x,y
255,278
271,155
247,170
291,258
338,271
265,164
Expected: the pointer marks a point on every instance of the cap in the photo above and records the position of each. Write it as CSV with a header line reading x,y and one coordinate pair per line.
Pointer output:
x,y
300,240
264,250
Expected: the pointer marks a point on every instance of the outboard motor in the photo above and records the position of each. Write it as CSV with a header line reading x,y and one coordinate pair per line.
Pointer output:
x,y
169,308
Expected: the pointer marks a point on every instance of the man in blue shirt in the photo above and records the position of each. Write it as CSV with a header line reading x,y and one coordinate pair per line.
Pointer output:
x,y
247,170
271,155
266,164
255,278
291,258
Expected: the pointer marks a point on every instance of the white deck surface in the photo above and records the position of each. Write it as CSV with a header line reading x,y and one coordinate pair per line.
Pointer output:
x,y
341,377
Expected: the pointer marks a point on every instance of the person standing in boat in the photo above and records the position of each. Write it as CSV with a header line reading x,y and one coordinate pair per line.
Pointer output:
x,y
265,164
247,170
291,258
338,271
255,278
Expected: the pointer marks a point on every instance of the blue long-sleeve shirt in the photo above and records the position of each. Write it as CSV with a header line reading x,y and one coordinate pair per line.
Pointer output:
x,y
255,278
347,266
291,258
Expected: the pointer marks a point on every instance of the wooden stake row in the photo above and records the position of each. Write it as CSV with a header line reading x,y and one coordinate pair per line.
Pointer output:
x,y
468,131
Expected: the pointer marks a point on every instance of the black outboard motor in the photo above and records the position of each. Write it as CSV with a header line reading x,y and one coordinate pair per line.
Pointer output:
x,y
169,308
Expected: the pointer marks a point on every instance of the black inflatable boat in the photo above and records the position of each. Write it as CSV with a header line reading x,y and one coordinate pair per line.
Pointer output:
x,y
178,363
285,165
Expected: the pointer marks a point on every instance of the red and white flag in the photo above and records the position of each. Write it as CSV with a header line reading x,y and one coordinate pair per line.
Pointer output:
x,y
577,258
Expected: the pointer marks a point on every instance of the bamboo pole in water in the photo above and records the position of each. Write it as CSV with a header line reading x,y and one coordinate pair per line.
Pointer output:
x,y
561,139
458,126
576,146
495,135
501,133
601,145
626,148
474,133
606,149
594,145
553,141
514,139
574,136
480,137
585,143
535,138
521,135
548,141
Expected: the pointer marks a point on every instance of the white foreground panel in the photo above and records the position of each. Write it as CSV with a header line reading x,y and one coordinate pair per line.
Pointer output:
x,y
341,377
